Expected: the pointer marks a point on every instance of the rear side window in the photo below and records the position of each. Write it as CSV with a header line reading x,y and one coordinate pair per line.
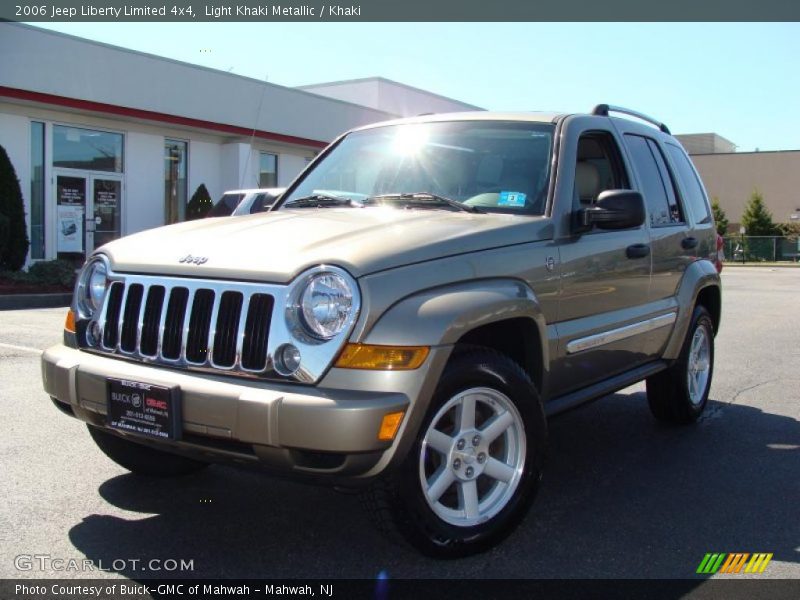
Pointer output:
x,y
693,189
659,194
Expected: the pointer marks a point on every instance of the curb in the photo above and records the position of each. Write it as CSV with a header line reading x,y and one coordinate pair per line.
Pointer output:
x,y
21,301
738,265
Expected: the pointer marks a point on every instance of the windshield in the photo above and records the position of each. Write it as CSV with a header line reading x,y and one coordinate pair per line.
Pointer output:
x,y
496,166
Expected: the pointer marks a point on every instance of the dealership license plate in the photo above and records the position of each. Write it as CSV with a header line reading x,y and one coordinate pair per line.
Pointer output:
x,y
144,409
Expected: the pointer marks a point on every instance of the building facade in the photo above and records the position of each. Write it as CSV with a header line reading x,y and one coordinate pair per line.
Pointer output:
x,y
107,141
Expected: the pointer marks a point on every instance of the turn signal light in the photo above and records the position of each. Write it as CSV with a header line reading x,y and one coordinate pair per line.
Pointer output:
x,y
382,358
69,323
389,426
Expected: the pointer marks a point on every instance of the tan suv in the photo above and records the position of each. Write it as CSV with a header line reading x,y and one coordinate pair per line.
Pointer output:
x,y
405,318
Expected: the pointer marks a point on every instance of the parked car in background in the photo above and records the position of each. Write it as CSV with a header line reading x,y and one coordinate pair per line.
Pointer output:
x,y
236,203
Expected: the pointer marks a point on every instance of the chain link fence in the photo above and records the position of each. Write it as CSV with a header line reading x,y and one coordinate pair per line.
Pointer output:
x,y
750,248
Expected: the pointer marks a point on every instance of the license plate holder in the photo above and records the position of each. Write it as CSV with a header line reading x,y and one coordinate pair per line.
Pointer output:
x,y
144,409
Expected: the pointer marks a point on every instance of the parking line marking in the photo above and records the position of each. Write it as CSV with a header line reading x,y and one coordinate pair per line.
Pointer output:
x,y
23,348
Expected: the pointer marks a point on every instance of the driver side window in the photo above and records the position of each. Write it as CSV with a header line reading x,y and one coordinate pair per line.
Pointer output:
x,y
599,167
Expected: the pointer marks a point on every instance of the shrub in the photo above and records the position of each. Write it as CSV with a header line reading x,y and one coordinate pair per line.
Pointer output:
x,y
53,272
200,203
13,231
757,220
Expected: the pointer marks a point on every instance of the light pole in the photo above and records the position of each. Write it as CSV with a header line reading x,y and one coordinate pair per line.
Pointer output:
x,y
742,231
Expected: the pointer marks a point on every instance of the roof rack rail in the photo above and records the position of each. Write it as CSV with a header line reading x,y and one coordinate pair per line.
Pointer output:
x,y
602,110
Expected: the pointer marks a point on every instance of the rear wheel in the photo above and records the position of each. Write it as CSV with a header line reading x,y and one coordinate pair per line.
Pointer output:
x,y
143,460
680,394
475,466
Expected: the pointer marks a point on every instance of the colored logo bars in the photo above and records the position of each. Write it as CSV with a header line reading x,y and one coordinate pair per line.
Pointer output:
x,y
734,562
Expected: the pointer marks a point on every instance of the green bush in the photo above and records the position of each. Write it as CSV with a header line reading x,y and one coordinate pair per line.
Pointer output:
x,y
53,272
50,272
200,203
13,231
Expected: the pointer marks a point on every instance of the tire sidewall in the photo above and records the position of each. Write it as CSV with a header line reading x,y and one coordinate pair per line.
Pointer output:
x,y
434,536
700,318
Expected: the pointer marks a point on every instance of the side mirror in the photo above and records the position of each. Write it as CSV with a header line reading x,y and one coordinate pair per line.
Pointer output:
x,y
614,209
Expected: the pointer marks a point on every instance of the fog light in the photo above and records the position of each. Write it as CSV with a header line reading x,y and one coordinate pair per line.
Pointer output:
x,y
94,333
287,359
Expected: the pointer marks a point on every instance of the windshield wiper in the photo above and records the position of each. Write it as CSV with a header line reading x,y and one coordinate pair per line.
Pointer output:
x,y
321,200
424,198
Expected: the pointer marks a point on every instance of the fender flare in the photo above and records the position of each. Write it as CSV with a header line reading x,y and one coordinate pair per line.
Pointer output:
x,y
699,275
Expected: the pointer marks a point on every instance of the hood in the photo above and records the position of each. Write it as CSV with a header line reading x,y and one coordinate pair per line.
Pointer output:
x,y
276,246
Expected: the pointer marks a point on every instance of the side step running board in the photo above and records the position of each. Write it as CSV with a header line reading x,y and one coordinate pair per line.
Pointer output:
x,y
602,388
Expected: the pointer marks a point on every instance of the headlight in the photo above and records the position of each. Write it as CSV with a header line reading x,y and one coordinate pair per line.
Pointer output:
x,y
92,285
325,304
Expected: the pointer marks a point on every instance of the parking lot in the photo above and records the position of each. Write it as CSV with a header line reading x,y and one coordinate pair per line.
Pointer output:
x,y
622,496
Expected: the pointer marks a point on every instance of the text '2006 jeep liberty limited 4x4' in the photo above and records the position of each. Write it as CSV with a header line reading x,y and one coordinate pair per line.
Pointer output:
x,y
406,316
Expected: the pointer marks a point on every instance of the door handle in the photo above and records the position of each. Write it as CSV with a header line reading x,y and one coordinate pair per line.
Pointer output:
x,y
637,251
689,243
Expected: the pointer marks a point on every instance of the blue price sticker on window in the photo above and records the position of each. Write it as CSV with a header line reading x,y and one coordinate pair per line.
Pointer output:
x,y
513,199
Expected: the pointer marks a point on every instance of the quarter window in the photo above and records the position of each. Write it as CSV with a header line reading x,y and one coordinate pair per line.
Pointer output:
x,y
695,195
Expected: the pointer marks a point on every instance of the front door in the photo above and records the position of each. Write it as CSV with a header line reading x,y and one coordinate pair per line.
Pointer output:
x,y
87,211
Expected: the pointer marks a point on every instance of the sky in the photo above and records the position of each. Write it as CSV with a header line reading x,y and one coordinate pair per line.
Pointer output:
x,y
740,80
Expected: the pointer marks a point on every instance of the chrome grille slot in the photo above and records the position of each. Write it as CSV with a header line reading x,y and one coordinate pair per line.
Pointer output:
x,y
130,318
113,308
256,332
227,330
199,325
151,320
173,326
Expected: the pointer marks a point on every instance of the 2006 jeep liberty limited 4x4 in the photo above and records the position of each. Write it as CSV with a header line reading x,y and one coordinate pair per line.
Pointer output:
x,y
406,316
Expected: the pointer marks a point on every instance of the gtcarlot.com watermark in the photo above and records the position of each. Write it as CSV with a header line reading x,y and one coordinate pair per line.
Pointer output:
x,y
48,562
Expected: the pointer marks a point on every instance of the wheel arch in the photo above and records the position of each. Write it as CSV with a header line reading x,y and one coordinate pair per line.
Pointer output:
x,y
700,285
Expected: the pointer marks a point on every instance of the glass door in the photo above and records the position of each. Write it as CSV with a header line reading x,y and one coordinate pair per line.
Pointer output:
x,y
71,198
88,212
106,200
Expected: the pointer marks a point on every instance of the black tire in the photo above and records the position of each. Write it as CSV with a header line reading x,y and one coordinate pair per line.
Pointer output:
x,y
143,460
397,502
668,392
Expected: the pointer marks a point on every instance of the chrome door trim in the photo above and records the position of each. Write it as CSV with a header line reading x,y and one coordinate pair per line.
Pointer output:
x,y
620,333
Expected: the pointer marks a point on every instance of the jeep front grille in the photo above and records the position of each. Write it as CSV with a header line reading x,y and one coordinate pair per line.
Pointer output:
x,y
187,323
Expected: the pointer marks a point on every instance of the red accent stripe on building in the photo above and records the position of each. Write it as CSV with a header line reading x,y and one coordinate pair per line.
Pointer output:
x,y
136,113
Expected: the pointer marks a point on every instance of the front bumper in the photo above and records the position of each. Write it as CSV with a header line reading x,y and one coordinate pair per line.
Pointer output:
x,y
324,431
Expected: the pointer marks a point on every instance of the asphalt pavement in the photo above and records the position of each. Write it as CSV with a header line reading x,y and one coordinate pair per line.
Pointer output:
x,y
622,495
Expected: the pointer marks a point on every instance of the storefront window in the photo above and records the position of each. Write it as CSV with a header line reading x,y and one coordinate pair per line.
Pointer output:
x,y
174,181
37,190
87,149
268,170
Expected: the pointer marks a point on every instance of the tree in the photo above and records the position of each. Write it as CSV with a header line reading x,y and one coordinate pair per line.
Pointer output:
x,y
200,203
757,220
13,230
720,219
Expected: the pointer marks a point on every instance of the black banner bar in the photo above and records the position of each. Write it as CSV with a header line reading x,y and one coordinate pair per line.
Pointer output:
x,y
189,11
393,589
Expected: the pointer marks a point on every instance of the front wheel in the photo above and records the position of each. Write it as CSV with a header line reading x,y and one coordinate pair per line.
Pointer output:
x,y
680,394
473,471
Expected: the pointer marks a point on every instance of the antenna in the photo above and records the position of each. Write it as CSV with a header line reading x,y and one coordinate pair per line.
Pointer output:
x,y
253,136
